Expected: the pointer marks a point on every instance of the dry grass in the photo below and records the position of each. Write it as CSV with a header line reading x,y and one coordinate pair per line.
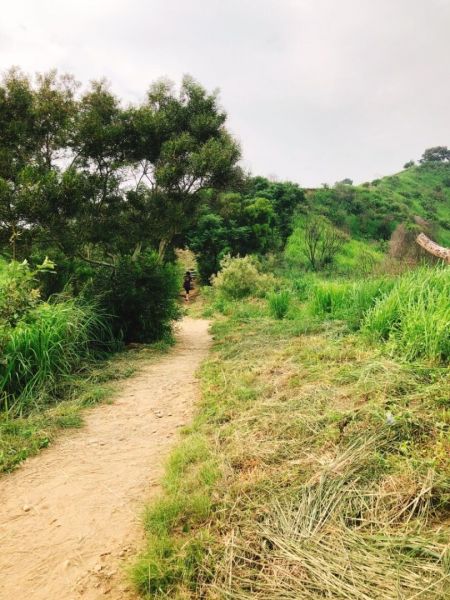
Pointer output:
x,y
320,494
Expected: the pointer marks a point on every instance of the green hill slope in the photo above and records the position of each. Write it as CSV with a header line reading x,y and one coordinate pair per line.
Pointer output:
x,y
373,210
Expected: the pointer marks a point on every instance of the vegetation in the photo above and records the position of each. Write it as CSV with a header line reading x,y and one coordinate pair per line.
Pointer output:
x,y
241,277
147,285
318,462
329,446
255,218
415,316
373,210
279,303
107,192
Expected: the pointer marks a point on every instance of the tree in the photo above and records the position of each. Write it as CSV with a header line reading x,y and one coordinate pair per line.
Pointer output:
x,y
285,197
194,152
437,154
409,164
84,175
345,181
321,242
255,218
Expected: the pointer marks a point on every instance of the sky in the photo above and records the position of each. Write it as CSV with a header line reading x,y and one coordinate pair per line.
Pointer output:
x,y
315,90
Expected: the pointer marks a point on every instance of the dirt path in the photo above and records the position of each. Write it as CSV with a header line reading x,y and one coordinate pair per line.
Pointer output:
x,y
69,518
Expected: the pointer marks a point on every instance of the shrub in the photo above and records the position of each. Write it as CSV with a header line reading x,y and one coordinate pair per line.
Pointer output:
x,y
321,242
241,277
18,289
140,296
415,315
279,303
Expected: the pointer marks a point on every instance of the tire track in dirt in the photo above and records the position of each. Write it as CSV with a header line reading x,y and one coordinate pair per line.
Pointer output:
x,y
69,517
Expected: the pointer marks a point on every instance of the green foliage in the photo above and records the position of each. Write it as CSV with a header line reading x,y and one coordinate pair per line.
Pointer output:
x,y
348,301
279,303
140,296
254,220
49,343
436,154
19,290
174,144
241,277
373,211
415,316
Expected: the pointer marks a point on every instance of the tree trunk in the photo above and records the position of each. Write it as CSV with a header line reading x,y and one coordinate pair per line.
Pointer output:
x,y
433,248
162,249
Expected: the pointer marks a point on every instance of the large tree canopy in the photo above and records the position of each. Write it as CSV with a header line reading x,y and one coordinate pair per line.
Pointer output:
x,y
94,179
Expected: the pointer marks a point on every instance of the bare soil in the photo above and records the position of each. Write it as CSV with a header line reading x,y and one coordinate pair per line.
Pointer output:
x,y
70,517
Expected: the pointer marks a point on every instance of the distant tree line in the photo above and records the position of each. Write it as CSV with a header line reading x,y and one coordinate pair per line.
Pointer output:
x,y
435,155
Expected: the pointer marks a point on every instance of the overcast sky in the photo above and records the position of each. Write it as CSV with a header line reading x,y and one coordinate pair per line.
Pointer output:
x,y
315,90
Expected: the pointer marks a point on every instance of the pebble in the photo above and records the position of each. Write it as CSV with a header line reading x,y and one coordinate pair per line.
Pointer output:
x,y
26,508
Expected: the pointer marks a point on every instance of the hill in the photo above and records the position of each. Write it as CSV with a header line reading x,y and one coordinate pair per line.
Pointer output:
x,y
374,209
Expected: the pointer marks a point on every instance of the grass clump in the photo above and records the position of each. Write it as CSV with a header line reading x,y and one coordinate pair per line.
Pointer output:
x,y
279,303
348,301
44,348
415,316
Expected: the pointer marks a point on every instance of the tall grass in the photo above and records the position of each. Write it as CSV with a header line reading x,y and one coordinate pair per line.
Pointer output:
x,y
415,316
45,347
348,301
279,303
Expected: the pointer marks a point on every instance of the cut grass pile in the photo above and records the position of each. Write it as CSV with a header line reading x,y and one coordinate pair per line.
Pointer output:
x,y
331,470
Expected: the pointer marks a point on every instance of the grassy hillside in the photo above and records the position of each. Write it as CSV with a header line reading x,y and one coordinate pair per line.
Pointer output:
x,y
373,210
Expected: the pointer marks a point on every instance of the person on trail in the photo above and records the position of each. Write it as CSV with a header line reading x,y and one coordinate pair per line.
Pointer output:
x,y
187,284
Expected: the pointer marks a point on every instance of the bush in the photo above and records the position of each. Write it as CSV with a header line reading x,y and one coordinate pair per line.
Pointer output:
x,y
19,292
415,315
279,303
140,296
241,277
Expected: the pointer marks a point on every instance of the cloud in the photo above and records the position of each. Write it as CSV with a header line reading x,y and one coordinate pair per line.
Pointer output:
x,y
316,90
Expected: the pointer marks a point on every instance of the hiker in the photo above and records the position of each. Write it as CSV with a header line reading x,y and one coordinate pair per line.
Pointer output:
x,y
187,284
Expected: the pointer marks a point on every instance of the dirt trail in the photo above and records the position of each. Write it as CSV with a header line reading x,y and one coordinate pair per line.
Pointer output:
x,y
69,518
